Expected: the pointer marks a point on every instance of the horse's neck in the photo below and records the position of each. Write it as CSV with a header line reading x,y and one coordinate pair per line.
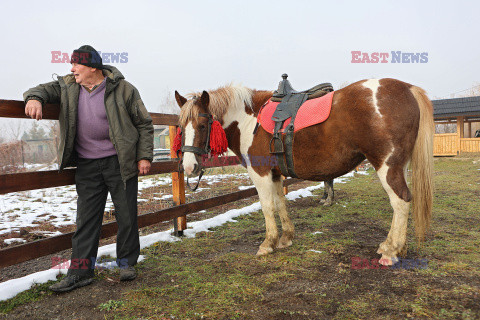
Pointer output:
x,y
240,121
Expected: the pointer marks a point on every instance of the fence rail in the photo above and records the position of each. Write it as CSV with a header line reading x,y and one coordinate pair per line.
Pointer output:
x,y
45,179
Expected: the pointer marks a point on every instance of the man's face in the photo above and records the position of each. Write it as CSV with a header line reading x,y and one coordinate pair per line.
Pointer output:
x,y
81,72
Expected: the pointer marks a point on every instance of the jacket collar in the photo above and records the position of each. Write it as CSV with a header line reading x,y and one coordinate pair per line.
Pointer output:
x,y
113,76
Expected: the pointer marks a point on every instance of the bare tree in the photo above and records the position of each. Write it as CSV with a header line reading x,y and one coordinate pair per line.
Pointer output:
x,y
168,103
472,92
14,128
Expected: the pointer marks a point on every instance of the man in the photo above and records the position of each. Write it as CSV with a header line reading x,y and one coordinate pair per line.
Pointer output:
x,y
107,133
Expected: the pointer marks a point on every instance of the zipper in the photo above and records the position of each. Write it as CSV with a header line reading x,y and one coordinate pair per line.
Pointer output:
x,y
110,132
63,90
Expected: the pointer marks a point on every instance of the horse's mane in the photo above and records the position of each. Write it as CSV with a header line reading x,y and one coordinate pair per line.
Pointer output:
x,y
220,100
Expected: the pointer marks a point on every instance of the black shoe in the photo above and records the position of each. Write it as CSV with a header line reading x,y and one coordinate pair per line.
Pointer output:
x,y
69,283
127,273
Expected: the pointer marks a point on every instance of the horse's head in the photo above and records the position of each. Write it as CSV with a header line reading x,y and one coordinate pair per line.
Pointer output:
x,y
196,122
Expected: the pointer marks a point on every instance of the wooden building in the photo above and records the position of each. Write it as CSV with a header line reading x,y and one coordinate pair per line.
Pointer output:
x,y
463,116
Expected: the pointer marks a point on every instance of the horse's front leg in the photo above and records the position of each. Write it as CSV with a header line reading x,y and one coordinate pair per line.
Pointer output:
x,y
288,230
266,193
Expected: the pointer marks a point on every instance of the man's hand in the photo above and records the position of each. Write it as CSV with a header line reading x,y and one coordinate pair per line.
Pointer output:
x,y
33,109
143,166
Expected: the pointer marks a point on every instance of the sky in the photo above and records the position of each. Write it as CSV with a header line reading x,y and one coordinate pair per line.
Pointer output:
x,y
201,45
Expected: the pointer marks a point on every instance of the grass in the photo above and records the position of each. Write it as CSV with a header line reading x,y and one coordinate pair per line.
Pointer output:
x,y
217,275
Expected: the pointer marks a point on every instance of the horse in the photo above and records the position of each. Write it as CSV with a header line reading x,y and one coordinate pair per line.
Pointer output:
x,y
386,121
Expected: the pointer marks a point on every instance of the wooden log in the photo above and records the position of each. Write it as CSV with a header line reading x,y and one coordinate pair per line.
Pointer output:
x,y
164,119
35,180
16,109
178,188
46,179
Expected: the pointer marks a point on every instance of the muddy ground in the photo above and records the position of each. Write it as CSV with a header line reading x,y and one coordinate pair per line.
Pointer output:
x,y
330,272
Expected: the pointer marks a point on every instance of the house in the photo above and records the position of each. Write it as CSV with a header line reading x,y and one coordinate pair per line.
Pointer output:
x,y
463,116
39,150
161,143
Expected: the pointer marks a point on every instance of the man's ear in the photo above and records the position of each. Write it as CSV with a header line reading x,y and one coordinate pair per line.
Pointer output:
x,y
180,100
205,99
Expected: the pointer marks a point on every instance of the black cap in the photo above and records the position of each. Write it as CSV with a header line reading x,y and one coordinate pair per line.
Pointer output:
x,y
87,56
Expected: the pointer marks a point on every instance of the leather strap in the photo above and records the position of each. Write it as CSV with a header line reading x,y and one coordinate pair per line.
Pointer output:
x,y
289,138
198,182
197,150
288,108
278,151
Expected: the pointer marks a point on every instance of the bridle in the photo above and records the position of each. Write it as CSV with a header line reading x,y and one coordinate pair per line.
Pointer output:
x,y
196,150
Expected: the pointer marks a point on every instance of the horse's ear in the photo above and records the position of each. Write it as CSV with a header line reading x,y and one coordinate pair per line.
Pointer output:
x,y
205,99
180,100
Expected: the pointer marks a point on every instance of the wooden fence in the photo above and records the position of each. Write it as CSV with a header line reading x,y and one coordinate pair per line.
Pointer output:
x,y
47,179
445,144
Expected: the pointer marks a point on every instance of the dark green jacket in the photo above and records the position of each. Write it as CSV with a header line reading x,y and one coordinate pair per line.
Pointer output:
x,y
130,124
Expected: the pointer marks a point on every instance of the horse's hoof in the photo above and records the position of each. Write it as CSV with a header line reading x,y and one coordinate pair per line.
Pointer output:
x,y
327,203
284,244
385,261
262,251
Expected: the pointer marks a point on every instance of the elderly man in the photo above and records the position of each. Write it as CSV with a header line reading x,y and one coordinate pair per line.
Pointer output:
x,y
107,133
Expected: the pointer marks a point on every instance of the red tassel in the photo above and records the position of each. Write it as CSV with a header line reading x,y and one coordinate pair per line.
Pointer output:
x,y
218,139
177,142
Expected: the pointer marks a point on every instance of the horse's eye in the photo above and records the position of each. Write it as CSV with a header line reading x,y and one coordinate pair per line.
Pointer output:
x,y
201,127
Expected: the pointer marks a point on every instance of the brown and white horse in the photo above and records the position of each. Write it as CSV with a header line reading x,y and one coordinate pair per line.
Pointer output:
x,y
386,121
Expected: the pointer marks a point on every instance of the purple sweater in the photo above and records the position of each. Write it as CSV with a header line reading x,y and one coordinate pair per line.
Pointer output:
x,y
92,140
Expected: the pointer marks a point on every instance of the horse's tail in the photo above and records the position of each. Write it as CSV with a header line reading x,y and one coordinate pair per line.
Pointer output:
x,y
422,165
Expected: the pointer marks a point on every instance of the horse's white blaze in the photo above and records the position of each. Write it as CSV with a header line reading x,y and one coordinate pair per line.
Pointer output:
x,y
374,84
189,160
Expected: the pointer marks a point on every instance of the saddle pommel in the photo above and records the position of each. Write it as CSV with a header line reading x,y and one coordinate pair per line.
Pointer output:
x,y
284,86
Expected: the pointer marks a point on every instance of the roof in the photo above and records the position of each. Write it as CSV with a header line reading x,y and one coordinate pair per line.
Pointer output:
x,y
162,131
468,106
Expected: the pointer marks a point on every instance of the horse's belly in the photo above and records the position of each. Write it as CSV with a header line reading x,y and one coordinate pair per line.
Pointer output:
x,y
319,159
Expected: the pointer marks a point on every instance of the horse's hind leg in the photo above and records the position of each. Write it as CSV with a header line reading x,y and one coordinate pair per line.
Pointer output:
x,y
393,181
266,192
328,194
288,230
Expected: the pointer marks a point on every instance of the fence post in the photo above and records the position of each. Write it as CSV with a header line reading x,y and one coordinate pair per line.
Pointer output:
x,y
178,188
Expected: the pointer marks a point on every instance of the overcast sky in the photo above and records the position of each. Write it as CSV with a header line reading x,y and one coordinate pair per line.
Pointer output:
x,y
195,45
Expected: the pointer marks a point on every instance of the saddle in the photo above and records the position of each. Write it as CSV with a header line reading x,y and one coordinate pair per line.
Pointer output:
x,y
290,101
284,88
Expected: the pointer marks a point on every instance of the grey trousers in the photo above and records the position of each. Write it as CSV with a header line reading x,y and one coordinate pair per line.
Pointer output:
x,y
94,178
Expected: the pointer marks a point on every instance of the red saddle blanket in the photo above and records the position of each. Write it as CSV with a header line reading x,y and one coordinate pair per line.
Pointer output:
x,y
311,112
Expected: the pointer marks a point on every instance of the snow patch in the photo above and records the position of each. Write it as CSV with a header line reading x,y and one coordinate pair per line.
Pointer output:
x,y
13,240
